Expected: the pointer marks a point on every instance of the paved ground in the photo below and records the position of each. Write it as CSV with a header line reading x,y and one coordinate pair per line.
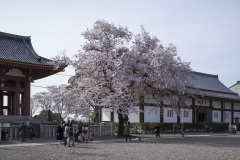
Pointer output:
x,y
195,146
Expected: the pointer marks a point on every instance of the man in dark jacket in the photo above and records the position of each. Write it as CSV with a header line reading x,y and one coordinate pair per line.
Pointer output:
x,y
79,132
22,132
31,132
70,135
4,133
157,130
60,131
127,130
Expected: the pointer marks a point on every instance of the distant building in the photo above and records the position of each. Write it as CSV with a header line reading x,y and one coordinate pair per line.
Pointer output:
x,y
215,103
19,66
236,87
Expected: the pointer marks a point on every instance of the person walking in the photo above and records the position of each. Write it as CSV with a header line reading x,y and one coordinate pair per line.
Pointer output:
x,y
91,135
31,131
79,132
4,133
183,130
127,130
157,130
85,133
60,131
22,132
65,134
75,134
70,135
174,128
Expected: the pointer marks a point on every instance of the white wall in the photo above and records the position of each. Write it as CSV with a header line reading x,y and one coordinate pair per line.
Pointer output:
x,y
189,101
134,117
115,119
218,120
216,104
225,119
106,114
150,99
236,114
169,119
186,119
227,105
236,106
166,101
151,114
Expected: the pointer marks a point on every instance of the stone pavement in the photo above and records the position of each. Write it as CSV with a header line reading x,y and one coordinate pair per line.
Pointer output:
x,y
202,146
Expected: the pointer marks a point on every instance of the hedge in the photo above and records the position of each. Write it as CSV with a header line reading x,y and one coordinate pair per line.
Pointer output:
x,y
148,128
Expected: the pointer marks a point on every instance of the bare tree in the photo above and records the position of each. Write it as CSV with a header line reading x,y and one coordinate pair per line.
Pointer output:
x,y
43,100
60,102
33,107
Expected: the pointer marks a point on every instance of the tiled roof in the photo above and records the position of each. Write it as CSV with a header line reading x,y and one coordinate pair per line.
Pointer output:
x,y
208,82
220,95
19,49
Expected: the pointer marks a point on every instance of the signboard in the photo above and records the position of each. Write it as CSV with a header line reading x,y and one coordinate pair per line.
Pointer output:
x,y
5,125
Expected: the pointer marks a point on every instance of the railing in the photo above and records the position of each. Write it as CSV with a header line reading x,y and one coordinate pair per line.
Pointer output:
x,y
49,131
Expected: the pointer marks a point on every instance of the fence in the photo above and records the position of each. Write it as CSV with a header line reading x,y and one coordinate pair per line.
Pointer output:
x,y
50,131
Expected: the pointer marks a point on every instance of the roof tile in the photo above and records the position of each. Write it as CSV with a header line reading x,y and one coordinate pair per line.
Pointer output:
x,y
19,49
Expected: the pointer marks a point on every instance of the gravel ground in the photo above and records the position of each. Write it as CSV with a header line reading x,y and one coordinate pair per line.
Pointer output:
x,y
168,147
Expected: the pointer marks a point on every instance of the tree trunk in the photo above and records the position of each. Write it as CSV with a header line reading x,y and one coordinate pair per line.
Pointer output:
x,y
98,117
141,107
49,115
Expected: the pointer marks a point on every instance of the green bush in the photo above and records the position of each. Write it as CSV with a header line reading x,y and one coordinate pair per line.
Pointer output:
x,y
168,127
115,127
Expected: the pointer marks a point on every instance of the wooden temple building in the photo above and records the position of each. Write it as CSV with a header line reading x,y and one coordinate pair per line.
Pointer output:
x,y
215,103
20,65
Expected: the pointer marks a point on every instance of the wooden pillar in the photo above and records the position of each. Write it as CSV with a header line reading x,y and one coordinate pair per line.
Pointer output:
x,y
232,112
193,111
16,99
112,116
26,100
222,105
209,112
1,102
100,115
179,113
161,112
12,95
9,104
178,119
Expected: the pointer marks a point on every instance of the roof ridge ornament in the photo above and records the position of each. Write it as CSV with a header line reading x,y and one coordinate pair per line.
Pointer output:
x,y
39,59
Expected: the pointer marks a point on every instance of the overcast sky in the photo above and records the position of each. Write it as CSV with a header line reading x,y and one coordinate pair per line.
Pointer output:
x,y
205,32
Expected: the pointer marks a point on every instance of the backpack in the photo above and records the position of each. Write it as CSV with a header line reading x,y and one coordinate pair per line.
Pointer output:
x,y
70,131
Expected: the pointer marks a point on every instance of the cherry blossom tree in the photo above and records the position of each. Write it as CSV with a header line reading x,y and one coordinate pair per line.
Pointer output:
x,y
151,69
97,65
113,71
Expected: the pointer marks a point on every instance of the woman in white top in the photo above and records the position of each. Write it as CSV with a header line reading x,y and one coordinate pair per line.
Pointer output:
x,y
85,133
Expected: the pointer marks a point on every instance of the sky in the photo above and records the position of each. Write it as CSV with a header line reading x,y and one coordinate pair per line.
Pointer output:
x,y
205,32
